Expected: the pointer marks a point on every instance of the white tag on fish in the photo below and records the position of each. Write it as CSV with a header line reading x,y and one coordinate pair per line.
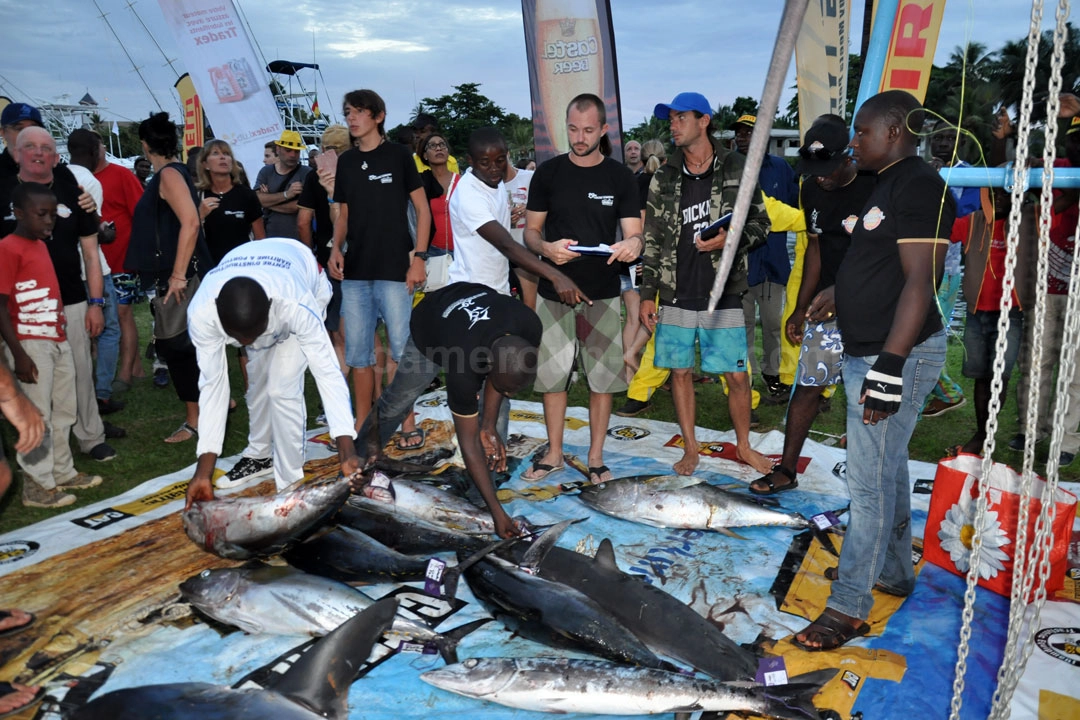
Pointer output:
x,y
379,488
380,481
825,520
416,647
772,671
433,577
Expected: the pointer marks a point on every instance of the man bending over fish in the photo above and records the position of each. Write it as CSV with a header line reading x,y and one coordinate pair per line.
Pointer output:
x,y
486,343
270,297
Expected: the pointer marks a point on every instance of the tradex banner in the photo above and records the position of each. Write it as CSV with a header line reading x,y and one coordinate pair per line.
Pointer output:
x,y
232,87
821,61
570,46
912,47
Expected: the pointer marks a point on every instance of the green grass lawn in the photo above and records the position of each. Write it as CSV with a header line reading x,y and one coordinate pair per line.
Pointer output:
x,y
152,414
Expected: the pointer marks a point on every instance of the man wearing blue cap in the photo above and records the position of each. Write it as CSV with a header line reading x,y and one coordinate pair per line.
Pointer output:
x,y
695,188
14,118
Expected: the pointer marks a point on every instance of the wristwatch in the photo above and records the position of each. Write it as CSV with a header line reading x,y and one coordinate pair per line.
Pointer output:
x,y
422,254
100,302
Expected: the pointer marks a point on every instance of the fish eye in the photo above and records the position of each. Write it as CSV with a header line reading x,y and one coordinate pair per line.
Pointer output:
x,y
471,663
204,574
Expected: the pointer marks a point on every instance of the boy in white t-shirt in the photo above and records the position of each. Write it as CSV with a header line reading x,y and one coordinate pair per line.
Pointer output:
x,y
517,182
480,215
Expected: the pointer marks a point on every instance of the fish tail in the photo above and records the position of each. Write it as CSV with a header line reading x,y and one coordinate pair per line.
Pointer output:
x,y
795,700
448,642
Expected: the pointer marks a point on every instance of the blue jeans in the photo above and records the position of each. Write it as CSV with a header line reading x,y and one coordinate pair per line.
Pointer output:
x,y
877,546
363,302
414,373
108,344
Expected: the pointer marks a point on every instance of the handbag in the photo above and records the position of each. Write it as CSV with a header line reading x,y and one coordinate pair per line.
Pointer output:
x,y
950,523
170,319
437,268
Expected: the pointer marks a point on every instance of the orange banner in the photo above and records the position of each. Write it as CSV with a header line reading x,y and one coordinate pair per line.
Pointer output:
x,y
912,48
193,113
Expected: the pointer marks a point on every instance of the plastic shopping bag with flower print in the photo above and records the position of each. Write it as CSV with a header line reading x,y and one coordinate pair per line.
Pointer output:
x,y
950,524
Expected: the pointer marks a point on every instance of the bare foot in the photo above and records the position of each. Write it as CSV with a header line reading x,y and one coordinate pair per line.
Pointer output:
x,y
13,618
20,696
689,461
753,458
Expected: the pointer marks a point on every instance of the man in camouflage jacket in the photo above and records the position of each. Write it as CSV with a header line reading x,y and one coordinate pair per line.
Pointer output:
x,y
696,187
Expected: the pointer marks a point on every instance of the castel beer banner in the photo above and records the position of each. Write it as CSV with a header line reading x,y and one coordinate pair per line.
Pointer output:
x,y
570,47
193,114
821,61
912,46
231,84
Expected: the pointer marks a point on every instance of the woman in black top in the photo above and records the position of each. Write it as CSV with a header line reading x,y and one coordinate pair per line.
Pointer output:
x,y
229,210
167,249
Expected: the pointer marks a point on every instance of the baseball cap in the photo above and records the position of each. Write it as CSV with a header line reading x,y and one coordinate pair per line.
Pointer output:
x,y
1074,126
682,103
17,112
747,119
824,148
290,140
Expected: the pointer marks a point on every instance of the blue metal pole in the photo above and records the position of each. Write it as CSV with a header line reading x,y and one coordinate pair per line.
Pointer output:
x,y
874,62
1002,177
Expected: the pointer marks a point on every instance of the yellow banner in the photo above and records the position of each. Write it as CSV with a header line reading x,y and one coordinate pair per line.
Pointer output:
x,y
912,47
821,61
193,113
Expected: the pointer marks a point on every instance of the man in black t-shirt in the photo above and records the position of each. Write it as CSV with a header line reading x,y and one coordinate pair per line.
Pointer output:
x,y
576,202
832,199
485,342
279,184
894,349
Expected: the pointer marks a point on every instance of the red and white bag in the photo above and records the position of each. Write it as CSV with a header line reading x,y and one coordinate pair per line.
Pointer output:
x,y
950,524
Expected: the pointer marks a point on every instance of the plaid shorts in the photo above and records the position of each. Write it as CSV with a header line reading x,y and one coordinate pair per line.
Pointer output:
x,y
592,334
128,288
821,359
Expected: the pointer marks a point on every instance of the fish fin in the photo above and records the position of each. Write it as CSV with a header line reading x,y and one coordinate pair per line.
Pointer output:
x,y
254,564
448,642
321,678
729,532
451,577
794,701
542,545
605,555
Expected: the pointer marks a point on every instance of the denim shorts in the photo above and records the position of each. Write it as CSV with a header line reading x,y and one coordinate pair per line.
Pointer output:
x,y
363,304
980,342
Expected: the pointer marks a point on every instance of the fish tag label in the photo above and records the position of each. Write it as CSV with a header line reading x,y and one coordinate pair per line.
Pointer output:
x,y
573,486
433,577
427,648
771,671
380,481
825,520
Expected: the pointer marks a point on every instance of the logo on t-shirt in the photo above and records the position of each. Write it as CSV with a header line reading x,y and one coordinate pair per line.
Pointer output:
x,y
469,307
385,178
813,222
606,200
873,218
849,223
63,211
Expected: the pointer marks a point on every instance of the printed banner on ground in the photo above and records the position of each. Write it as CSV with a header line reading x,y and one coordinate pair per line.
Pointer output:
x,y
570,47
821,61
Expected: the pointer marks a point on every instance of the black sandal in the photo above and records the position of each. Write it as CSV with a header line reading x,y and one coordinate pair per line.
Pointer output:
x,y
833,573
773,488
598,471
830,631
6,688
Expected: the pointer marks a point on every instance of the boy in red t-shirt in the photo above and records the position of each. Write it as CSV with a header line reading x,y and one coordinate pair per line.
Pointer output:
x,y
32,326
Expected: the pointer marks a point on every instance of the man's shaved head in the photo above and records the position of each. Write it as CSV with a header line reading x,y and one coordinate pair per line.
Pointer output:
x,y
514,362
244,309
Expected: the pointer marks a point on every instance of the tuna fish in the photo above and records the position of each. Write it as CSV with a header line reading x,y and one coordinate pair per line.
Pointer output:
x,y
316,686
559,685
419,501
676,501
240,528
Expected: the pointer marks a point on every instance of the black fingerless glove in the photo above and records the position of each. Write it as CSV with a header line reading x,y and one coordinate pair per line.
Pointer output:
x,y
884,384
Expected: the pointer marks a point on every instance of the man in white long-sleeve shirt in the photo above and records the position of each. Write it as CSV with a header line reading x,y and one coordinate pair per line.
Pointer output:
x,y
270,297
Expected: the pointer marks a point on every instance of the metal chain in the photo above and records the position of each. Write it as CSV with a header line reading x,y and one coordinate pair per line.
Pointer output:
x,y
1023,129
1038,556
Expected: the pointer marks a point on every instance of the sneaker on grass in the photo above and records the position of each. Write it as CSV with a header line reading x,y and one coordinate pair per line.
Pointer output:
x,y
81,481
246,469
36,496
633,408
102,452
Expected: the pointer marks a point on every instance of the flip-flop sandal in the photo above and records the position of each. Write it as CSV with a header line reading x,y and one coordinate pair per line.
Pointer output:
x,y
598,471
543,469
184,427
4,614
7,688
831,630
775,489
406,436
832,574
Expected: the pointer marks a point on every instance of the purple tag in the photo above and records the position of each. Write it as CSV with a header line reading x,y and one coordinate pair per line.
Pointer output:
x,y
825,520
433,577
771,671
424,648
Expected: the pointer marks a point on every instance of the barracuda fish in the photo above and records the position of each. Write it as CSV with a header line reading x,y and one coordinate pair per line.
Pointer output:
x,y
676,501
554,614
402,532
424,502
559,685
241,528
284,601
666,625
316,686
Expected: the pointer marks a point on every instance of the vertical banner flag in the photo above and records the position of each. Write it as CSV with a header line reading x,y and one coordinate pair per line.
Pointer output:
x,y
232,86
821,61
912,46
193,113
570,46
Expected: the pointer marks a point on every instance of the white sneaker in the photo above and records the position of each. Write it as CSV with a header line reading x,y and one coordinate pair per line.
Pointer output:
x,y
245,470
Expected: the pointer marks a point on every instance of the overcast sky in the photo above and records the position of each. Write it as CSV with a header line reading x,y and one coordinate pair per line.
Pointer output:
x,y
411,49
